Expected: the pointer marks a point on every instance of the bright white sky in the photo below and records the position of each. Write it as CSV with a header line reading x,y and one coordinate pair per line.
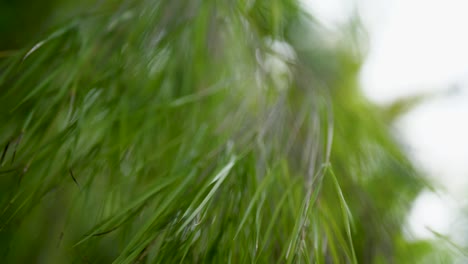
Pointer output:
x,y
419,46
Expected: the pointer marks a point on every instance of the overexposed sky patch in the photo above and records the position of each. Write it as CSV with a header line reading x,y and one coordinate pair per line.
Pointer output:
x,y
421,48
329,12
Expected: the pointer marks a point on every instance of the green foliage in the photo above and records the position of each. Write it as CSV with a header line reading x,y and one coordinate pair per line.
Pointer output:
x,y
178,131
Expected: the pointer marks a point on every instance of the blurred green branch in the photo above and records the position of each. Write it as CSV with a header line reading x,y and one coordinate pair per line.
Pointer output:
x,y
199,131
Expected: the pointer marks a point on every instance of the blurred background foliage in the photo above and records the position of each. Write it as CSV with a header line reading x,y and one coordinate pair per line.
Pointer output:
x,y
194,131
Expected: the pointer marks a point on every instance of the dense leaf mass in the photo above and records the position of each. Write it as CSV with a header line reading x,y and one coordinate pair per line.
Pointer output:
x,y
196,131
